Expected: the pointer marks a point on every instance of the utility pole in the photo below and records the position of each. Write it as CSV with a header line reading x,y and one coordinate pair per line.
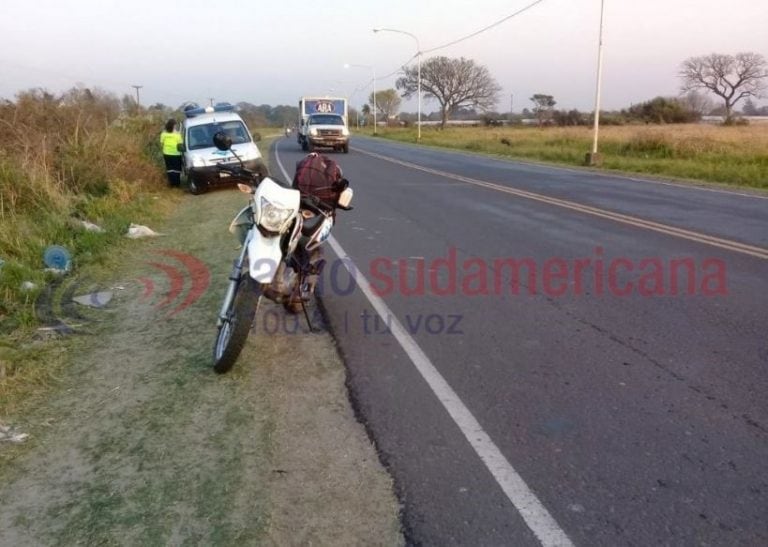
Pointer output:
x,y
418,77
138,102
594,157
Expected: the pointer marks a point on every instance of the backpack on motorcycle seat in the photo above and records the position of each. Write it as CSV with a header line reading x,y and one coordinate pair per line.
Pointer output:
x,y
319,176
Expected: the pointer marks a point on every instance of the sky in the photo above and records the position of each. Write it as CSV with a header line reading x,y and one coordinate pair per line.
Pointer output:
x,y
274,52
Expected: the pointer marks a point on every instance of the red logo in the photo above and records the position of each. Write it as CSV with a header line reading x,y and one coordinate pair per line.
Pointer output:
x,y
192,269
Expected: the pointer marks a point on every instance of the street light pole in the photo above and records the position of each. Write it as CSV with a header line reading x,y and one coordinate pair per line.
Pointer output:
x,y
373,69
418,77
594,158
374,101
138,103
418,128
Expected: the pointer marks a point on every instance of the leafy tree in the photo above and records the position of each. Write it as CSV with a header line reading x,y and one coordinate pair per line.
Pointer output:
x,y
366,111
749,108
730,77
283,115
453,83
267,115
662,110
543,105
387,103
697,102
570,117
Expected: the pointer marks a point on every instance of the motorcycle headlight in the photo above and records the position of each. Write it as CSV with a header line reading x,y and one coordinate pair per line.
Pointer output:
x,y
273,218
313,131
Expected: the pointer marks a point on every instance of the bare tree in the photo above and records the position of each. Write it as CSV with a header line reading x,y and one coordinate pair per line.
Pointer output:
x,y
387,102
730,77
543,105
454,83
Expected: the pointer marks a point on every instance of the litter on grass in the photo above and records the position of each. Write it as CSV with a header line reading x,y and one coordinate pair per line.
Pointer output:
x,y
91,227
94,300
57,257
136,231
8,434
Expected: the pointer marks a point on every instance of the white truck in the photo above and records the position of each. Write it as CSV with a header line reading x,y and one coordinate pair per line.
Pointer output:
x,y
323,123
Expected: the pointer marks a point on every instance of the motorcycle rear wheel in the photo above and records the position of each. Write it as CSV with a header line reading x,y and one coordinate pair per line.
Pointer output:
x,y
233,333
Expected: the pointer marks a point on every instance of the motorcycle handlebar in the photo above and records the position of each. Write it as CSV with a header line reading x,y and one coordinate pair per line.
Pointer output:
x,y
313,202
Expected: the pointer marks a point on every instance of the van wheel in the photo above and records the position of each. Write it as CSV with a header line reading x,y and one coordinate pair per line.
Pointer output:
x,y
262,170
345,148
195,188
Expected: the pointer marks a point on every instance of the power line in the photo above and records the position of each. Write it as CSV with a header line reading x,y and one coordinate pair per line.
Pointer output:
x,y
396,71
492,25
402,65
467,37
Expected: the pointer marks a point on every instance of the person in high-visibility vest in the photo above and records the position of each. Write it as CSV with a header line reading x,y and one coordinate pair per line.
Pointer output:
x,y
170,140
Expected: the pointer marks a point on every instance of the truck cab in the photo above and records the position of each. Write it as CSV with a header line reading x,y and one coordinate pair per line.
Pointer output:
x,y
325,130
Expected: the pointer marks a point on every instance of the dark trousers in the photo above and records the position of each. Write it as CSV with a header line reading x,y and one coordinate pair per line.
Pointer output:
x,y
173,169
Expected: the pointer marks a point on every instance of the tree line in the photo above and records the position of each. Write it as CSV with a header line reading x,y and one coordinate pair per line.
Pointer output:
x,y
714,84
711,85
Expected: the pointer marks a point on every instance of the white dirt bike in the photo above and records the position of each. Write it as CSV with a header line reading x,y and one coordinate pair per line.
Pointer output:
x,y
281,232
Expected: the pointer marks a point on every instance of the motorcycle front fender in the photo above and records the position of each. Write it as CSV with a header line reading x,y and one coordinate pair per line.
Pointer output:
x,y
264,256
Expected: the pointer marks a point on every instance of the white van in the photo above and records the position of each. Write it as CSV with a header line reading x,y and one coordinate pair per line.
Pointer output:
x,y
200,157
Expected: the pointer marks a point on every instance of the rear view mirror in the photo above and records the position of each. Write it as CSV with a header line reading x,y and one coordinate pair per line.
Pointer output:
x,y
180,147
222,141
256,136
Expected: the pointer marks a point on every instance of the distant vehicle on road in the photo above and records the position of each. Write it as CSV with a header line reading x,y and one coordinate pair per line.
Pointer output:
x,y
323,123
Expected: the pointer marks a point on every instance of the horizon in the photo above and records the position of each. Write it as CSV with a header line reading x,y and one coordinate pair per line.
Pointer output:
x,y
644,46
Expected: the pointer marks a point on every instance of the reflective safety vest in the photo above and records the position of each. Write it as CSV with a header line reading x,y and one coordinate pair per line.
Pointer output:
x,y
169,142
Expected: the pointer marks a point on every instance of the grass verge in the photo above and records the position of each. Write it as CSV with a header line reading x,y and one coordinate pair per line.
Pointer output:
x,y
143,444
736,155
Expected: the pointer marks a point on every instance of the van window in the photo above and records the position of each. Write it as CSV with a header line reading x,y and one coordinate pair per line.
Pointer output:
x,y
326,119
201,136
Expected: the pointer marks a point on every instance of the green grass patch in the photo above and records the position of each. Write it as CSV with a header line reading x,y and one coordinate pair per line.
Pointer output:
x,y
65,160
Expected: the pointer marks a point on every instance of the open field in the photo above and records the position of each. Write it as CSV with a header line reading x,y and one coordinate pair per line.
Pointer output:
x,y
730,155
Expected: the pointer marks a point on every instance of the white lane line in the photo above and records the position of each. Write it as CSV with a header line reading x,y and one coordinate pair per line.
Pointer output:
x,y
533,512
694,185
758,252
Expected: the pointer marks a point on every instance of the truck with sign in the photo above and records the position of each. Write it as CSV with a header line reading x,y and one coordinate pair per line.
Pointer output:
x,y
323,123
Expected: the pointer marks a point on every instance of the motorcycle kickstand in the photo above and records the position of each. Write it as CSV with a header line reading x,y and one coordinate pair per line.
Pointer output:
x,y
304,305
306,315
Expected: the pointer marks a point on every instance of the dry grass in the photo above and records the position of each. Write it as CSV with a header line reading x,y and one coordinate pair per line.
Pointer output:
x,y
731,155
64,159
142,444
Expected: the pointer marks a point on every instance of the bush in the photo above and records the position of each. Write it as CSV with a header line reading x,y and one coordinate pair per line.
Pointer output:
x,y
64,158
662,110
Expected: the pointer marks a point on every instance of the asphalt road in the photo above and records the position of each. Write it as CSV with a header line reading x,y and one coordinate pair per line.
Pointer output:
x,y
598,401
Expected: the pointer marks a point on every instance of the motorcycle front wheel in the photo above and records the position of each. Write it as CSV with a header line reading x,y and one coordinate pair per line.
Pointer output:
x,y
233,332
